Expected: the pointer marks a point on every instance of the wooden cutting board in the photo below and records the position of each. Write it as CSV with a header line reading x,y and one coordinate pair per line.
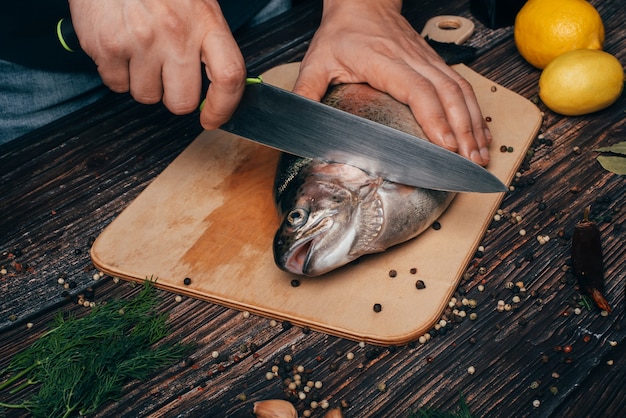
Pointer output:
x,y
210,217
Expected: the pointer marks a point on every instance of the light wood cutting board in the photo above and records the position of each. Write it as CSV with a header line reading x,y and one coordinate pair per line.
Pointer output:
x,y
210,217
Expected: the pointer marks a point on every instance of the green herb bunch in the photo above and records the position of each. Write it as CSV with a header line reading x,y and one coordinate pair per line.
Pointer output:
x,y
80,364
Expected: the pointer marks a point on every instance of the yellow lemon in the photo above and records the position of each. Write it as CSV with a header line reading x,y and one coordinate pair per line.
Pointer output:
x,y
545,29
581,82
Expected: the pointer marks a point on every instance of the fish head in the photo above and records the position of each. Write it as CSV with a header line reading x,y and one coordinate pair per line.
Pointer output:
x,y
317,233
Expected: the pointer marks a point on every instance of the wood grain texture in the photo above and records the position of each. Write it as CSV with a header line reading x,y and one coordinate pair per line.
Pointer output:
x,y
214,205
62,185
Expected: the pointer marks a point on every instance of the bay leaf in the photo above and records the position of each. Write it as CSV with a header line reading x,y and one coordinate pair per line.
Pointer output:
x,y
619,148
615,164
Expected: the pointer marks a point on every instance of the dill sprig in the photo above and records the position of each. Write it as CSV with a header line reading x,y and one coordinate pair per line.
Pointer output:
x,y
81,363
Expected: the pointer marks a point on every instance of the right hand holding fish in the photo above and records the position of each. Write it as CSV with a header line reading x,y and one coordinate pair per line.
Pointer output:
x,y
368,41
154,49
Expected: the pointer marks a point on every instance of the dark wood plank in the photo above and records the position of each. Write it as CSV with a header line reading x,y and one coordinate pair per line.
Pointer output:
x,y
62,185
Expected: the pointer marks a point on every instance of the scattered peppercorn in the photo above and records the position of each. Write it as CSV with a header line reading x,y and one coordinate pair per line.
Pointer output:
x,y
420,285
393,273
378,307
436,226
187,281
413,270
295,283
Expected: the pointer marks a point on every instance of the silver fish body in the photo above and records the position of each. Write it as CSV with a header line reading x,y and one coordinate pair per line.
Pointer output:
x,y
333,213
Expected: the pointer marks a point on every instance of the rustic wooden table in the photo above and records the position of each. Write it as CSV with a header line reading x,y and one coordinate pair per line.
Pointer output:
x,y
62,185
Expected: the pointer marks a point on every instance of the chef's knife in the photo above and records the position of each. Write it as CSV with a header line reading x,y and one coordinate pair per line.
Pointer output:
x,y
294,124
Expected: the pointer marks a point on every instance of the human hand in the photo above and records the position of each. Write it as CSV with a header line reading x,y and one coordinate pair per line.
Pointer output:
x,y
369,41
154,49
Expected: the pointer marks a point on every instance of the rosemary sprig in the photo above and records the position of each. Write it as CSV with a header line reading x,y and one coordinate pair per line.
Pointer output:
x,y
80,364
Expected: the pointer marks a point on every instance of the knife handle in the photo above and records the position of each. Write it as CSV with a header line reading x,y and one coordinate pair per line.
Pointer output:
x,y
67,36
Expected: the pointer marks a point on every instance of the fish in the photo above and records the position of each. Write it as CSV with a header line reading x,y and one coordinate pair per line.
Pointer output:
x,y
330,213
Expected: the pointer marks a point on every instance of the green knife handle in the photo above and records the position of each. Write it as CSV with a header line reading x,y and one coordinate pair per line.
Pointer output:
x,y
67,36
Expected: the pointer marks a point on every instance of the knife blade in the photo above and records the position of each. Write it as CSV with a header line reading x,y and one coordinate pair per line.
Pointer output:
x,y
290,123
300,126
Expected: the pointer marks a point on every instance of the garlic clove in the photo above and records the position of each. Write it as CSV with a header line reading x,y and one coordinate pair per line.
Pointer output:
x,y
274,408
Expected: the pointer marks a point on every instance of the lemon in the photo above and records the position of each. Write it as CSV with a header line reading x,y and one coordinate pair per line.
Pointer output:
x,y
545,29
581,82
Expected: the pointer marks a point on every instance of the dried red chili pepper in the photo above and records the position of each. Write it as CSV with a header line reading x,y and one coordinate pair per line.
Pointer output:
x,y
587,260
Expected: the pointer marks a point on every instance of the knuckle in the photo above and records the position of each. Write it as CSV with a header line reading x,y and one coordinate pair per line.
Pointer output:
x,y
142,35
115,83
182,107
147,98
113,46
231,75
451,85
423,85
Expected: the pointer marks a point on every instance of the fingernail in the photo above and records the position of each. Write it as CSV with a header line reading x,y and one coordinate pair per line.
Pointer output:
x,y
484,153
475,156
450,142
488,134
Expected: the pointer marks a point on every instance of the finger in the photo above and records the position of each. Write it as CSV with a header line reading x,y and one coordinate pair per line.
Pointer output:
x,y
460,120
466,119
182,81
480,130
114,73
145,78
420,94
226,71
439,106
312,82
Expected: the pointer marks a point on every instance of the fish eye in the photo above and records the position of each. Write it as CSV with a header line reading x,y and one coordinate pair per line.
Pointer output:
x,y
297,217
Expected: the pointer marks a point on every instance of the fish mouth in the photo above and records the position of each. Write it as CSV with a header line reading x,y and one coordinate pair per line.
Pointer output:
x,y
298,260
